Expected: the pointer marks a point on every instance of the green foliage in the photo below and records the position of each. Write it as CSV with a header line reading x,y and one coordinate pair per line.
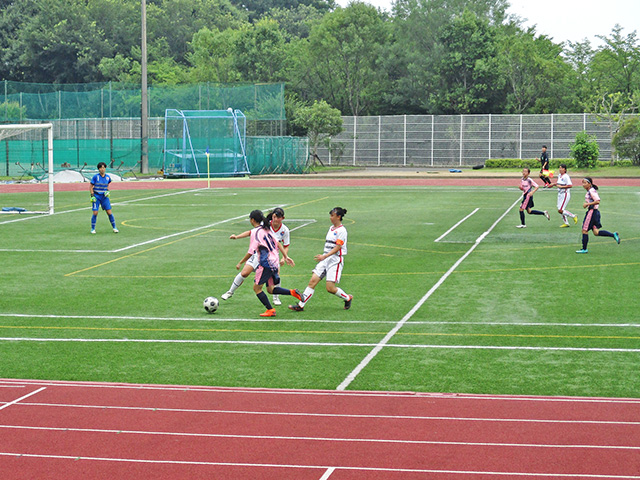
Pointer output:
x,y
533,164
585,150
12,110
320,120
627,140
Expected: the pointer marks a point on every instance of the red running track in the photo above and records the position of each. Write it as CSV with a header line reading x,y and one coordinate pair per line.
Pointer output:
x,y
79,430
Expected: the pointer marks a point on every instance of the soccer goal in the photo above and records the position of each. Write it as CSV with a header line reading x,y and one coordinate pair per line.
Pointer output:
x,y
204,143
32,146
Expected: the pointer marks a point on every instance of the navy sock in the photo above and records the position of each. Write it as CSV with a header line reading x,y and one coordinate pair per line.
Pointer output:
x,y
264,299
281,291
604,233
585,240
536,212
522,217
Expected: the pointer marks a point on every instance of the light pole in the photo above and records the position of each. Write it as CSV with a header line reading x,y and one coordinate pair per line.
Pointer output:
x,y
144,120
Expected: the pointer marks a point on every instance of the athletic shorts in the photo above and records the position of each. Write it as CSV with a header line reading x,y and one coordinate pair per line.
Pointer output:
x,y
330,268
254,261
563,200
591,220
266,275
101,201
526,203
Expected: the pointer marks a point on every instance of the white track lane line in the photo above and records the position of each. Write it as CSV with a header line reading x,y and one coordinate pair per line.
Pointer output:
x,y
22,398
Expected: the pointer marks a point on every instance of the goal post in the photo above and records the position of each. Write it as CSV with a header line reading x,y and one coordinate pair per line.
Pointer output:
x,y
204,143
24,135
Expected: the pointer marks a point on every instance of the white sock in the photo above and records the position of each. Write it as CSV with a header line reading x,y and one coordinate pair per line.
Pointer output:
x,y
568,213
340,293
564,219
308,293
236,282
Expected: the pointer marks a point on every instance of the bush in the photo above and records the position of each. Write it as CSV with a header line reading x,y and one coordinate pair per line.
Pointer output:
x,y
531,163
627,140
585,150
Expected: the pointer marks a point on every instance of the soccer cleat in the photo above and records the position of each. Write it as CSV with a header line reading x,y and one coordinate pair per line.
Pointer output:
x,y
227,295
546,214
115,230
269,313
575,220
276,300
564,225
617,237
93,231
296,308
582,250
347,303
296,294
521,226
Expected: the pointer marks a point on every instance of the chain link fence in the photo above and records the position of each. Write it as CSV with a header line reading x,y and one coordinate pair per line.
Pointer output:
x,y
459,140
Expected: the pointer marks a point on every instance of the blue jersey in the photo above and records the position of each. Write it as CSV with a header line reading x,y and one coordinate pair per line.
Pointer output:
x,y
100,184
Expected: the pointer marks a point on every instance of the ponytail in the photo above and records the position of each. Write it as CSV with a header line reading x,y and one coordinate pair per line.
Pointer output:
x,y
593,185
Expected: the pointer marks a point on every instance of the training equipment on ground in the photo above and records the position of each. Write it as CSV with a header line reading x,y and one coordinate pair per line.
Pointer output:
x,y
204,143
211,304
21,136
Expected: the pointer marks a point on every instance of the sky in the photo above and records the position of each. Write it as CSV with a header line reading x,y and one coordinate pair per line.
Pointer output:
x,y
564,20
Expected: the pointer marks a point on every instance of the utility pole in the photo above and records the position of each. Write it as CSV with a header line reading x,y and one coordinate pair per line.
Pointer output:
x,y
144,102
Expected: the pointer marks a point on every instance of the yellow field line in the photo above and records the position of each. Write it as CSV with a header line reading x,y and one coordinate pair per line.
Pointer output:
x,y
319,332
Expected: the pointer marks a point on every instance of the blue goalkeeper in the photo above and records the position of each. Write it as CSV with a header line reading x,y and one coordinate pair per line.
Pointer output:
x,y
99,190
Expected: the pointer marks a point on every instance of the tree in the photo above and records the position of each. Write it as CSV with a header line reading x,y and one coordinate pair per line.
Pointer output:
x,y
260,53
616,65
342,59
212,56
612,107
627,140
585,150
320,121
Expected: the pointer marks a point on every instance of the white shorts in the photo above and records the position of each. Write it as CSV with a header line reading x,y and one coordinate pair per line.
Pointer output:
x,y
254,261
563,200
330,268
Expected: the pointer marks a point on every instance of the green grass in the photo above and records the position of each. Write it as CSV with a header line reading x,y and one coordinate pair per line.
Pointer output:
x,y
522,314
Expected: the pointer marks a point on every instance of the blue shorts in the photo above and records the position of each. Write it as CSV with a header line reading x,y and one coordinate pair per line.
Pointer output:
x,y
101,201
591,220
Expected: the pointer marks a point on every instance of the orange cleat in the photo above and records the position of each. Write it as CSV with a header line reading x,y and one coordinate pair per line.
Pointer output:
x,y
269,313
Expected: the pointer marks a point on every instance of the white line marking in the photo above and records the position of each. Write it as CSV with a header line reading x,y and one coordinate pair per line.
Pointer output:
x,y
323,467
336,415
315,344
329,393
294,320
22,398
452,228
323,439
351,377
328,473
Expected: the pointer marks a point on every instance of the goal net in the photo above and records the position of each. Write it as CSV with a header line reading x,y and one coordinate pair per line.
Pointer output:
x,y
28,153
202,143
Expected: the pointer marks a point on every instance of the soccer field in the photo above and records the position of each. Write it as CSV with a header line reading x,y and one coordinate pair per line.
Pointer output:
x,y
448,295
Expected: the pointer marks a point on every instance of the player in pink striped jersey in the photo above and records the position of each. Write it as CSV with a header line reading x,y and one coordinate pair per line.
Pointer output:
x,y
330,263
528,188
592,217
265,246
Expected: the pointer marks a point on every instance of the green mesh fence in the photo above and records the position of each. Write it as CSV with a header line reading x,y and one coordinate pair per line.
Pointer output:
x,y
21,101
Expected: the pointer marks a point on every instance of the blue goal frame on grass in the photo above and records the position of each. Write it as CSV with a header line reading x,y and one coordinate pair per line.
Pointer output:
x,y
202,143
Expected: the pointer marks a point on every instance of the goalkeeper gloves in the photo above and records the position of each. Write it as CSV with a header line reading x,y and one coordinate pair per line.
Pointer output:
x,y
93,199
107,194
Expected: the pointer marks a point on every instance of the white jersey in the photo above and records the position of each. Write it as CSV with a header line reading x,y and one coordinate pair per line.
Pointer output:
x,y
563,180
282,235
336,236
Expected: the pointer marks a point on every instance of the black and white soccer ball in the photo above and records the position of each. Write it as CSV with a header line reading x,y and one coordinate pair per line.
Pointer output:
x,y
211,304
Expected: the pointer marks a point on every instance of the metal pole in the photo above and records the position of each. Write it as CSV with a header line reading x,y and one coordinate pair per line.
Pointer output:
x,y
144,134
461,136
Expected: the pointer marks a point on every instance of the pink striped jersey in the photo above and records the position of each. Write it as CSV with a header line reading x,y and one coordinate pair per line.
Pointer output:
x,y
336,236
526,185
266,246
592,196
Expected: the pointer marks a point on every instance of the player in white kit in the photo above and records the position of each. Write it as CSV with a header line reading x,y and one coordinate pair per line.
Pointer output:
x,y
564,194
330,263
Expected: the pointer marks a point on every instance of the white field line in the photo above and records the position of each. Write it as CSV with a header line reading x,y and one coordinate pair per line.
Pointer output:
x,y
345,383
315,393
213,318
315,344
328,473
453,228
365,440
22,398
118,203
319,467
336,415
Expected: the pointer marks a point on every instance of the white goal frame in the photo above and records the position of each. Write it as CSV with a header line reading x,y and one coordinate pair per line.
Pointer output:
x,y
7,131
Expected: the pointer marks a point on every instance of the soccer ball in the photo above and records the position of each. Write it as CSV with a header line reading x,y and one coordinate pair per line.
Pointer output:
x,y
210,304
